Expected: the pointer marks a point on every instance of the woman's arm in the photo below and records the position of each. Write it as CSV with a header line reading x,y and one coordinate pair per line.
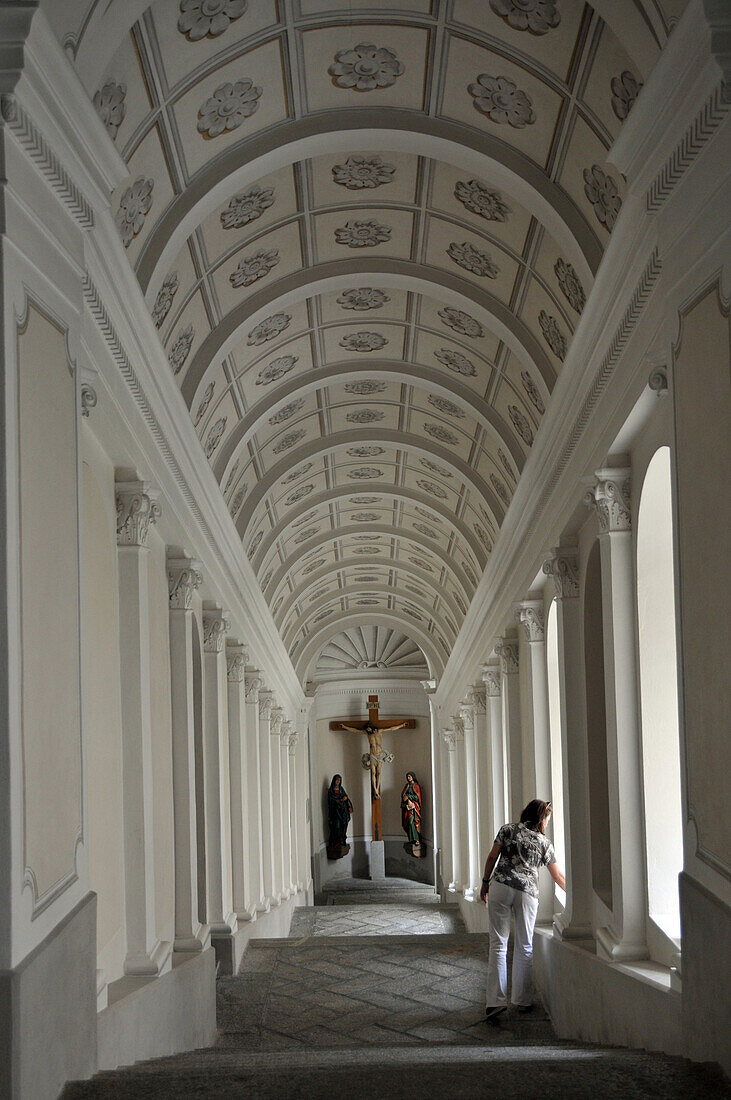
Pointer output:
x,y
489,868
557,875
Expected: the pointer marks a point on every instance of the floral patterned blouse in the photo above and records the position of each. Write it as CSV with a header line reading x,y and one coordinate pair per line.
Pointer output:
x,y
522,852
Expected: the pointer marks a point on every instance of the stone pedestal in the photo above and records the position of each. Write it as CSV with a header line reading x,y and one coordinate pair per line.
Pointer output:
x,y
377,860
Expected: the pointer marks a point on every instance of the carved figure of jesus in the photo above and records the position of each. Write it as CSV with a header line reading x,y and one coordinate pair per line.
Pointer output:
x,y
375,743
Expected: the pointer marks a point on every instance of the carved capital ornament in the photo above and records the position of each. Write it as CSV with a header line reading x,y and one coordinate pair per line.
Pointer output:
x,y
563,567
235,665
530,616
216,624
610,496
492,681
507,651
184,577
137,508
252,682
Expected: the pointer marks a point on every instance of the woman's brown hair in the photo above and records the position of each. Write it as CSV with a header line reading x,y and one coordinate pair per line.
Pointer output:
x,y
536,814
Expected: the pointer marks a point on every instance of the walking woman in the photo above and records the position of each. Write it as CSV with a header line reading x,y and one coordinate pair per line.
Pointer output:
x,y
521,850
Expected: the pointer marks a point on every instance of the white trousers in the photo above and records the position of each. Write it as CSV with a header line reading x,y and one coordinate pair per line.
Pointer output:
x,y
503,900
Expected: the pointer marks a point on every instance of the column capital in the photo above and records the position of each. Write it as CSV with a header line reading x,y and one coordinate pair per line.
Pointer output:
x,y
137,508
492,679
236,658
286,731
276,721
216,624
450,739
507,651
529,613
292,742
466,714
458,725
563,567
477,697
252,684
266,702
610,496
184,577
429,686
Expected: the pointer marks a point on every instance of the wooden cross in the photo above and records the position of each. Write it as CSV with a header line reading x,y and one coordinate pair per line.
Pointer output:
x,y
374,728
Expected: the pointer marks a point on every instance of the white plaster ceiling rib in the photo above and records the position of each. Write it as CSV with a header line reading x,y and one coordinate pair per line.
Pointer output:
x,y
381,488
306,652
427,583
420,373
433,282
370,649
350,602
473,154
341,440
369,566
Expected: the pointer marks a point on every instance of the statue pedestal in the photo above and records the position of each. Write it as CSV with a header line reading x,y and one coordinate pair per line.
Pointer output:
x,y
377,860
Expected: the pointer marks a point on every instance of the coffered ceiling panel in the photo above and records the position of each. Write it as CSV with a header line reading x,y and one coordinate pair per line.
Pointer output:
x,y
366,234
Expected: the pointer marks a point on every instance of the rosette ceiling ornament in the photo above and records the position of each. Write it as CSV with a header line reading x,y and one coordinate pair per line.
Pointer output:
x,y
366,245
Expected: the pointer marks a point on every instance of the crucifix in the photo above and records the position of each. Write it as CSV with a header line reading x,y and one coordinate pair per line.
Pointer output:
x,y
374,729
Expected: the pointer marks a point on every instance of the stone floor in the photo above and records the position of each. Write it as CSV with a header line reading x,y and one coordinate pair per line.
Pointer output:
x,y
353,1003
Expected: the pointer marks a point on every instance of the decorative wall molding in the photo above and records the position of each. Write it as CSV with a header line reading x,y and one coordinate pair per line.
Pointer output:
x,y
216,624
640,296
563,568
35,145
184,577
529,614
610,496
692,143
87,398
137,509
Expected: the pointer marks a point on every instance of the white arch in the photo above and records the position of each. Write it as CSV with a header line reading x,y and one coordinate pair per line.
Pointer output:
x,y
310,651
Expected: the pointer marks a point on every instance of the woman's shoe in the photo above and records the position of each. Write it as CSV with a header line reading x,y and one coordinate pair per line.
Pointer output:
x,y
491,1014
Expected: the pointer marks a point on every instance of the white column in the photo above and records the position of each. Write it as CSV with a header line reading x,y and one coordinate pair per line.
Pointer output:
x,y
302,771
266,702
453,866
437,783
252,683
184,577
492,677
473,873
221,917
288,879
535,723
626,936
507,651
483,770
575,921
275,750
137,508
236,658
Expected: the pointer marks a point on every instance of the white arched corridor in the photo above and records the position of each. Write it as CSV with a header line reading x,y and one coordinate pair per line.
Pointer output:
x,y
355,351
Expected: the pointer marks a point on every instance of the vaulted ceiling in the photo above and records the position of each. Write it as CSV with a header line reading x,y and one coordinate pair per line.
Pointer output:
x,y
366,234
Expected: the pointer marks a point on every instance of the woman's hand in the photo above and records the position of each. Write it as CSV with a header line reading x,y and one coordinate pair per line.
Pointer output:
x,y
483,892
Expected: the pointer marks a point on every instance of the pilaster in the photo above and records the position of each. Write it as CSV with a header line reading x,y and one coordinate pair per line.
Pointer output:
x,y
277,802
575,921
473,876
266,703
288,879
610,498
506,647
252,684
220,916
137,509
535,720
450,737
236,658
184,578
497,785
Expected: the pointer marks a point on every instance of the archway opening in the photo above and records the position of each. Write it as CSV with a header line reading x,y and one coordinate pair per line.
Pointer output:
x,y
659,694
